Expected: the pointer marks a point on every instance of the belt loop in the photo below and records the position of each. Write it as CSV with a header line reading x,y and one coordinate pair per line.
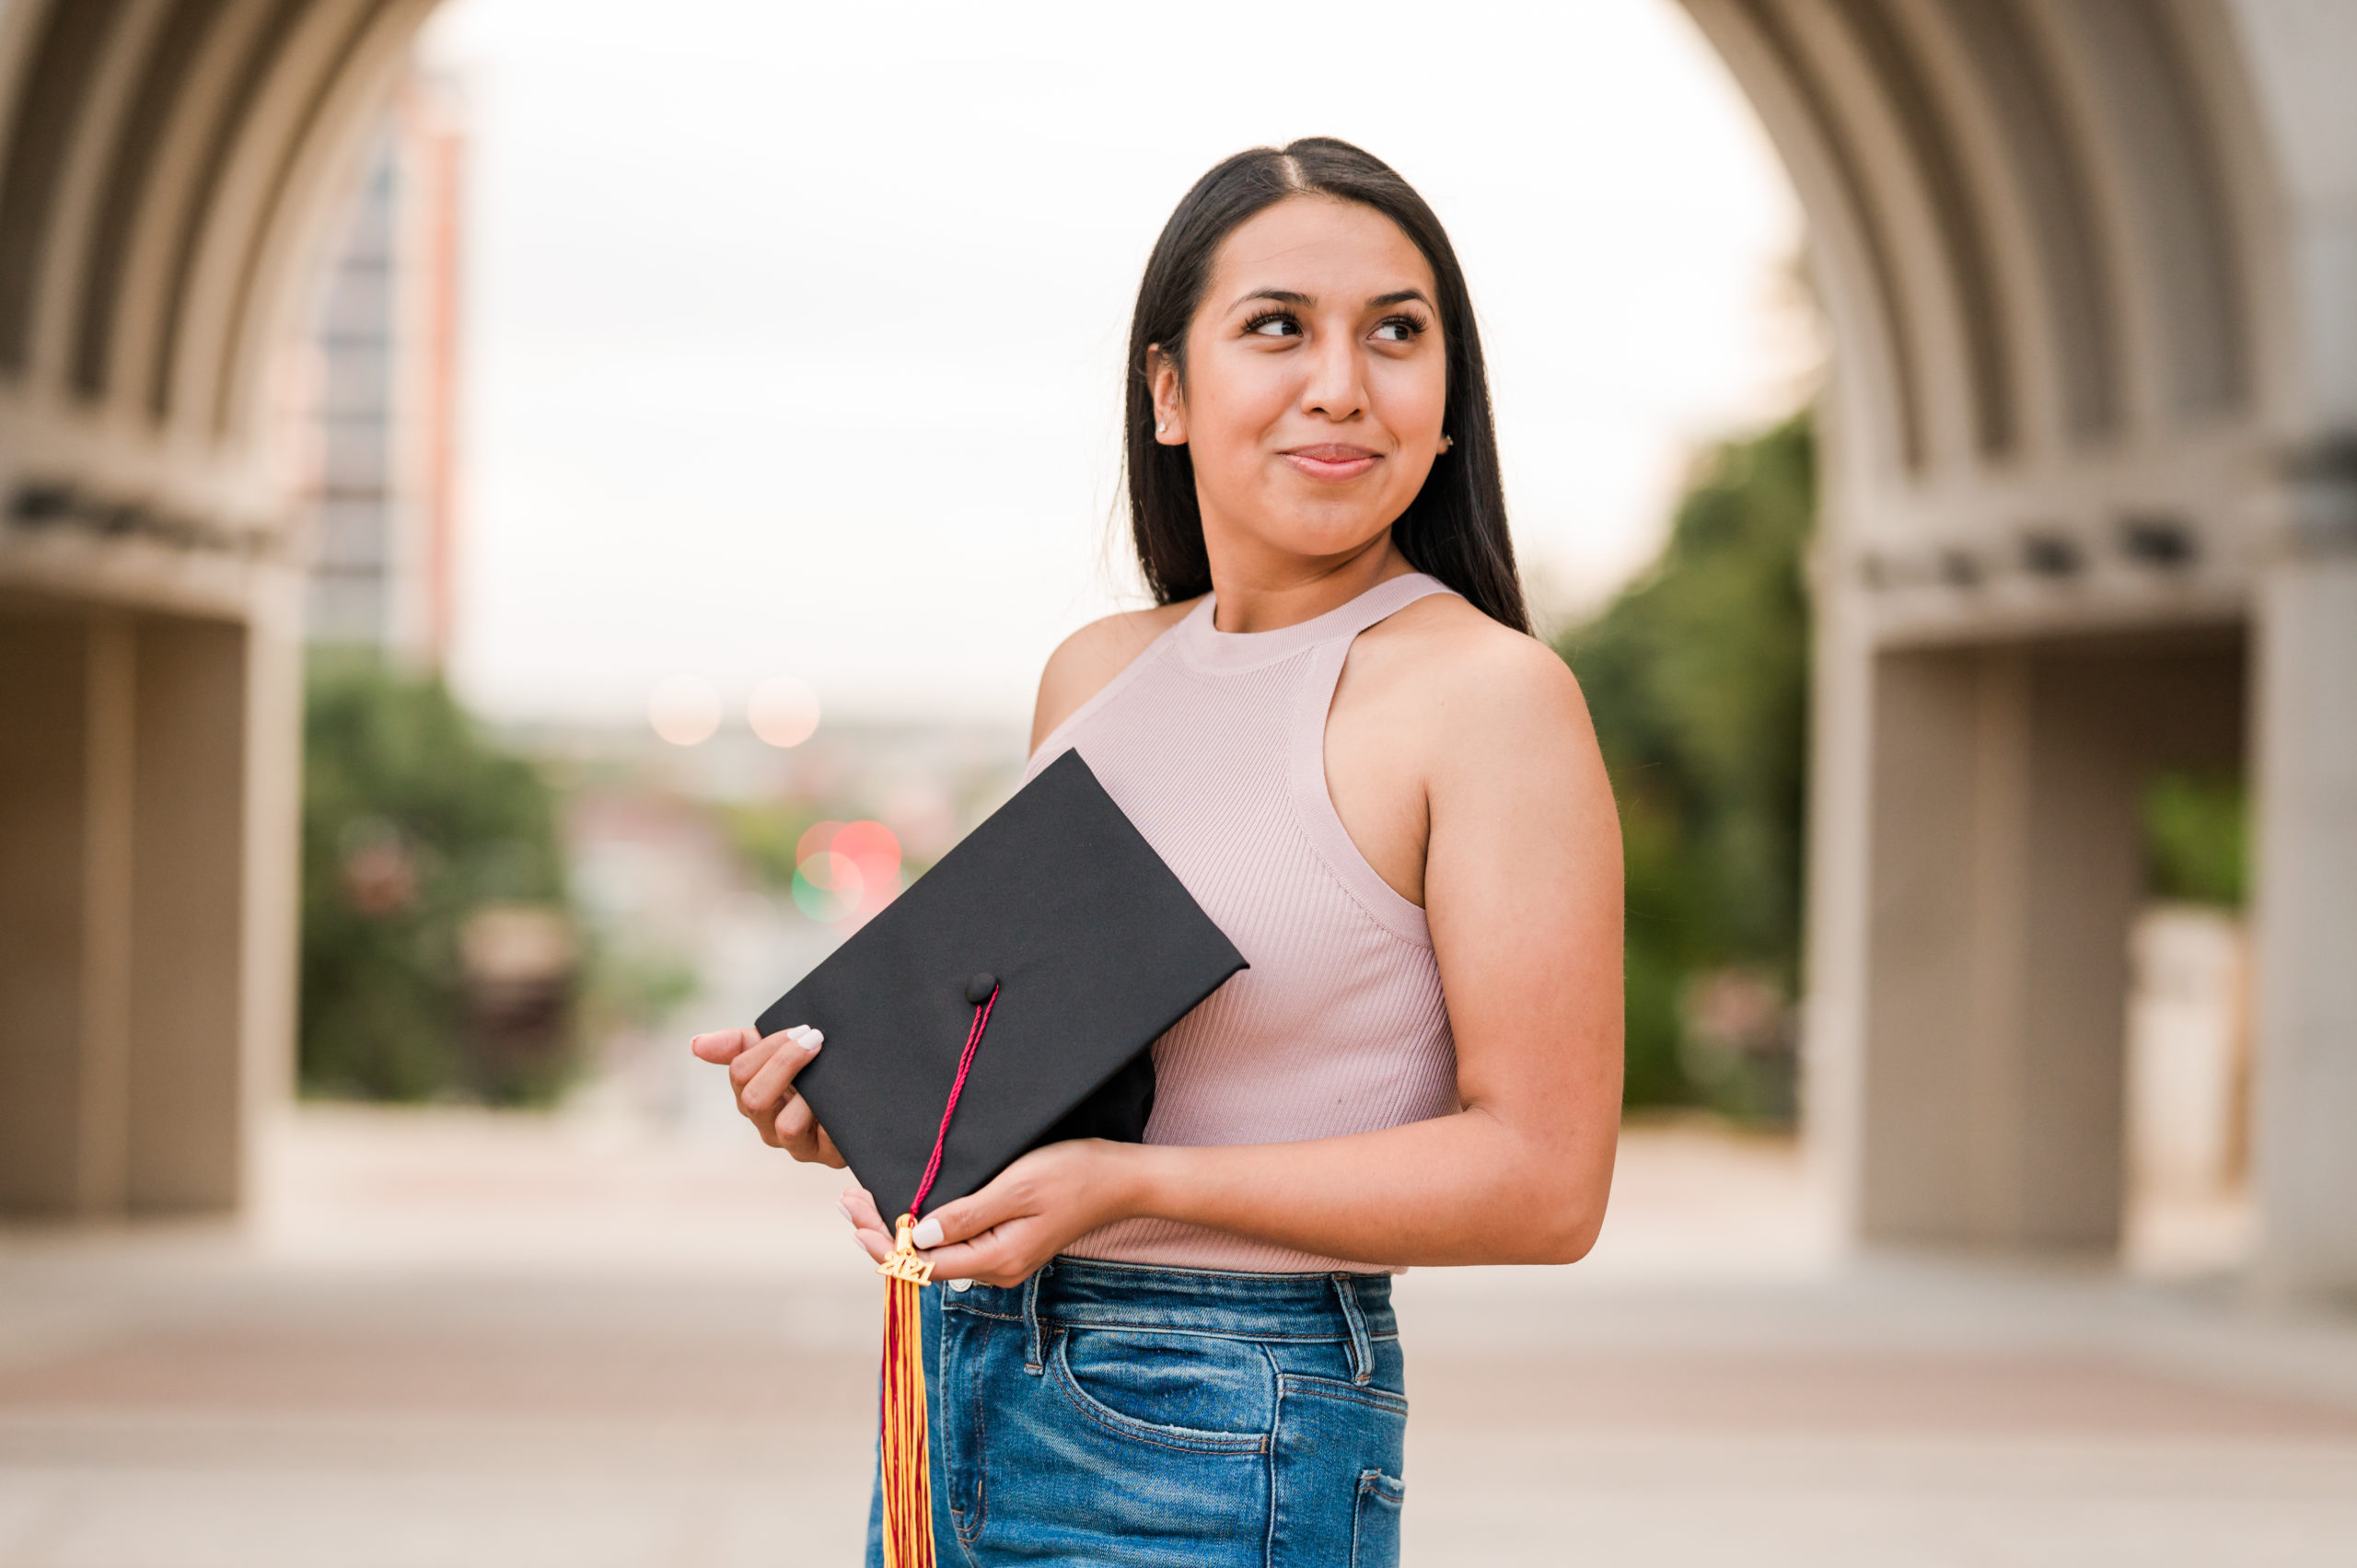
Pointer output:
x,y
1034,1363
1362,1353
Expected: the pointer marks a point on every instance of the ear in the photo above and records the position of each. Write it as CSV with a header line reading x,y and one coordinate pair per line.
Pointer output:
x,y
1169,396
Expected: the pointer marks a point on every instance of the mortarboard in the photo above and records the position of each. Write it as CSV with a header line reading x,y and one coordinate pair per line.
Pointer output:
x,y
1093,947
1007,999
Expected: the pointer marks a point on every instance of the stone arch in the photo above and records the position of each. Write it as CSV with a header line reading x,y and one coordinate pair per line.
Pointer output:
x,y
167,162
2016,207
2087,264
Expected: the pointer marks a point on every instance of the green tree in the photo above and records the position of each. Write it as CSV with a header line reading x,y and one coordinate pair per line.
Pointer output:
x,y
1697,678
2197,837
412,822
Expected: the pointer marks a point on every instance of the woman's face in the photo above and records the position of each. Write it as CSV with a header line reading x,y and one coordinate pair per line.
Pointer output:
x,y
1316,381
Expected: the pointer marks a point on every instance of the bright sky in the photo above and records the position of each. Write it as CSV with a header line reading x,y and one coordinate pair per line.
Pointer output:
x,y
795,332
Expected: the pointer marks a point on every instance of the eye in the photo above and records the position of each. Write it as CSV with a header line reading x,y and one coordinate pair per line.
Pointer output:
x,y
1399,329
1273,325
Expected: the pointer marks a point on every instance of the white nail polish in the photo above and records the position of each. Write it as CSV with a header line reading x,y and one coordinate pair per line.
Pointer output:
x,y
927,1234
961,1284
810,1039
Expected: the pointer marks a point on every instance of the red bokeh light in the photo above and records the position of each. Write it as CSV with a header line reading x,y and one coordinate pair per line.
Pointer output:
x,y
859,863
817,838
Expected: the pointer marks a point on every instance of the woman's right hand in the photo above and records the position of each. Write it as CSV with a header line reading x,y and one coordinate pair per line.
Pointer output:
x,y
762,1072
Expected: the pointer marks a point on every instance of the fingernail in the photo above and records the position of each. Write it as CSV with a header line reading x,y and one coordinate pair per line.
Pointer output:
x,y
844,1209
927,1234
809,1039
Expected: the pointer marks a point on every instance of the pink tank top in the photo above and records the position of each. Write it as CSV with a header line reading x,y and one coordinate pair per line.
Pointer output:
x,y
1214,744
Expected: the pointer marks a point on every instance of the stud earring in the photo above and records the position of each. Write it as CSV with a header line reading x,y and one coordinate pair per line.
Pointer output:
x,y
1160,428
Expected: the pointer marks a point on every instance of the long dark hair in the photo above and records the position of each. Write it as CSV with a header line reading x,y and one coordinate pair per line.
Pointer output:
x,y
1456,528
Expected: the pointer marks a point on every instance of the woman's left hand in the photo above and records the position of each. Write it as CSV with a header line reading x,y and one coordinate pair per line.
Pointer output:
x,y
1036,1207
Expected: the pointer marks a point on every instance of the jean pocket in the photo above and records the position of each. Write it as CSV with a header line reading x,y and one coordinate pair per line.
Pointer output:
x,y
1332,1436
1375,1524
1191,1392
969,1343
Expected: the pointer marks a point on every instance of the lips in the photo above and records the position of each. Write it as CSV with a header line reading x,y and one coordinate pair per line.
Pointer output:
x,y
1331,460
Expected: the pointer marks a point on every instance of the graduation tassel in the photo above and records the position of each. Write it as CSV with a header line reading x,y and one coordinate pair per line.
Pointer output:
x,y
906,1464
908,1481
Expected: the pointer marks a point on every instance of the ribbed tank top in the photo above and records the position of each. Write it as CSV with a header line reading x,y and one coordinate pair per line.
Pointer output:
x,y
1214,744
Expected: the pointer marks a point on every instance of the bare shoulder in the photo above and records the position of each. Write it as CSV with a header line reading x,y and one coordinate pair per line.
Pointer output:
x,y
1486,682
1450,730
1085,662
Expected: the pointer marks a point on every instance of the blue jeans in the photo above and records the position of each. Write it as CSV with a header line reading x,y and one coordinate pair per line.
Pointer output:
x,y
1110,1412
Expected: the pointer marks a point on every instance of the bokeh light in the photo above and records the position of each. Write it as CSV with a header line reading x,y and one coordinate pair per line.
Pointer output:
x,y
685,710
870,844
828,886
816,839
782,711
845,870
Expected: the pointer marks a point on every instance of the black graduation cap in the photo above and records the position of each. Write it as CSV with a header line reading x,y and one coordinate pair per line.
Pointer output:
x,y
1058,917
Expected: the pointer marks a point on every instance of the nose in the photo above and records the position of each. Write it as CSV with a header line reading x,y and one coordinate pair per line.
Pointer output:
x,y
1336,385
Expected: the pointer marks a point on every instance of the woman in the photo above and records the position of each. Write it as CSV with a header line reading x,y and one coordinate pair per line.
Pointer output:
x,y
1336,729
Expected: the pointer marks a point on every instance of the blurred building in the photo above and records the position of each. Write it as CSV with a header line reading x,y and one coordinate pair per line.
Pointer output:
x,y
382,374
2090,479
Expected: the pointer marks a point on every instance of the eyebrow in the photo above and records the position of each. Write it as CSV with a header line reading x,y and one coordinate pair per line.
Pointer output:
x,y
1295,296
1281,295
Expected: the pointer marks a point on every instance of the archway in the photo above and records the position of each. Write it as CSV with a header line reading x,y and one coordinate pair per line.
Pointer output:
x,y
2088,439
2083,451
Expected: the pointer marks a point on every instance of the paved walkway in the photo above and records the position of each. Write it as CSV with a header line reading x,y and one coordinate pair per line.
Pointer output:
x,y
450,1340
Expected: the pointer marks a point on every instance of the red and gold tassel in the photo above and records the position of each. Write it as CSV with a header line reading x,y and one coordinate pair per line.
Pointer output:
x,y
908,1471
908,1468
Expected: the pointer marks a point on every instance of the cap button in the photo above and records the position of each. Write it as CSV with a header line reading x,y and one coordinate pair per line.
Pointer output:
x,y
979,989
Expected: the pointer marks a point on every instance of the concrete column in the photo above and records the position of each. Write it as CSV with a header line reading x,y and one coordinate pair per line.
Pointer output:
x,y
67,726
2005,874
2305,919
44,717
1912,1141
110,738
272,867
2305,914
1840,793
185,1120
123,850
2005,869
